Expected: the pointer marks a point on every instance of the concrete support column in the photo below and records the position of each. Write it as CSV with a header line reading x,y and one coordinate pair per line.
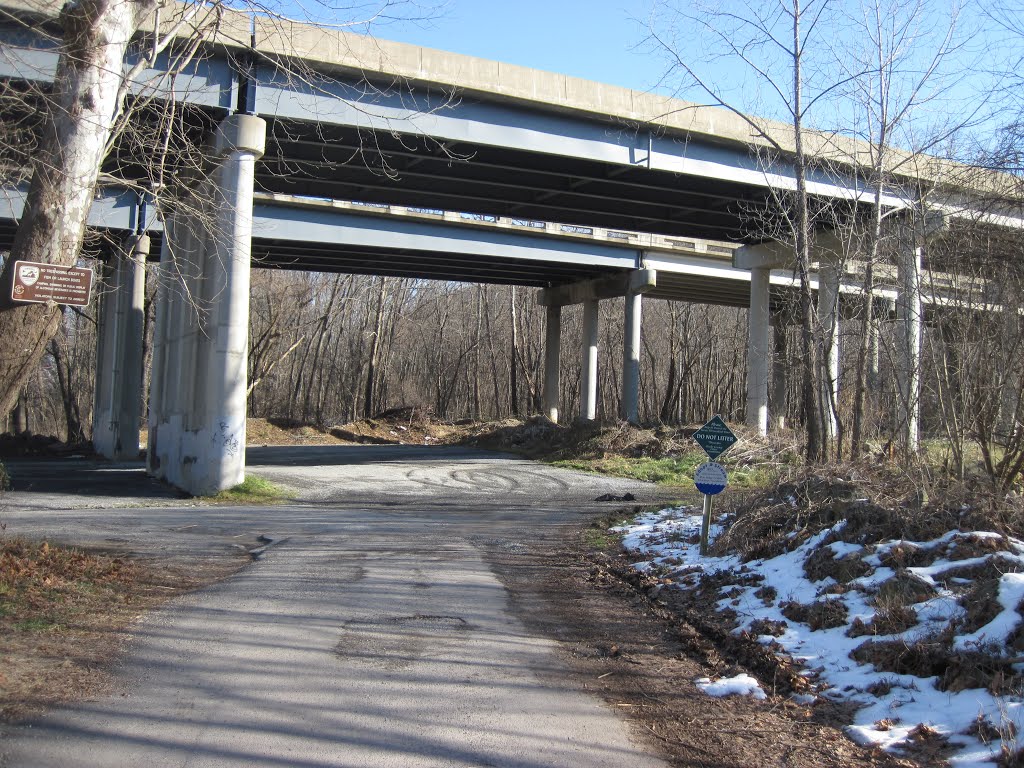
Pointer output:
x,y
118,397
106,348
777,395
631,358
758,330
158,368
552,361
588,380
223,356
197,422
828,318
760,260
588,293
909,314
177,381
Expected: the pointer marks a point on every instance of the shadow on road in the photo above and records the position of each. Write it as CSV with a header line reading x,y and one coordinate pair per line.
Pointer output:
x,y
343,455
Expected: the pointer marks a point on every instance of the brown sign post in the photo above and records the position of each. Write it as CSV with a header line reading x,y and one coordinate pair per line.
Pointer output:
x,y
42,283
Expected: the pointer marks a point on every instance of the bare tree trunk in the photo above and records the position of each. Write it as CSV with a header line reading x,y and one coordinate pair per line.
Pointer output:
x,y
86,102
860,386
371,367
19,416
813,405
494,358
72,413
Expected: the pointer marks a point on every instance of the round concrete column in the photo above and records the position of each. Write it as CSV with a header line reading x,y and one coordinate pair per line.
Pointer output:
x,y
159,365
552,361
118,395
588,382
758,340
240,142
631,358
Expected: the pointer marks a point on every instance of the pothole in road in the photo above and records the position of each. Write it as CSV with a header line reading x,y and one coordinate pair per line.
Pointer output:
x,y
399,641
512,547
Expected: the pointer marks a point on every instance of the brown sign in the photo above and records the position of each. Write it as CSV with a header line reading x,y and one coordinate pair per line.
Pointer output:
x,y
43,283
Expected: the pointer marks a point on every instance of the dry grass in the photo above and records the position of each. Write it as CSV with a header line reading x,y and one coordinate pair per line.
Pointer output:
x,y
64,612
823,614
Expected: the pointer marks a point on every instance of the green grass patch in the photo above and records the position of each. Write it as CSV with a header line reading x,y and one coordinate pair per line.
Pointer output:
x,y
600,539
37,624
252,490
676,472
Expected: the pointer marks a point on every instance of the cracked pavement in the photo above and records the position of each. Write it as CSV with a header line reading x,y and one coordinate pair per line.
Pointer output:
x,y
369,631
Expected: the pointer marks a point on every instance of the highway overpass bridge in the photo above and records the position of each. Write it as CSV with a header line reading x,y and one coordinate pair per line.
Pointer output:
x,y
297,117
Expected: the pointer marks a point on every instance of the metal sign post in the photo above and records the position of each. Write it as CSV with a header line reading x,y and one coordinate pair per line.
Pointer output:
x,y
715,438
710,480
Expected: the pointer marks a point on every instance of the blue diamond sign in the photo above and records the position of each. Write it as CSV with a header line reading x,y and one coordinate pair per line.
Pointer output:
x,y
715,437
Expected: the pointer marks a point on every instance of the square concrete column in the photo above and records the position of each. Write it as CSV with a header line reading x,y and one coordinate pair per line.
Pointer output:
x,y
118,399
631,358
552,360
588,380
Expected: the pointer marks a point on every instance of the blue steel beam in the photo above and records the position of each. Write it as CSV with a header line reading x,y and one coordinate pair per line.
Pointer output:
x,y
29,55
472,120
324,230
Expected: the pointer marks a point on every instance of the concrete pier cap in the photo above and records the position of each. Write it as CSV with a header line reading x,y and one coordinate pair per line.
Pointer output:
x,y
241,133
637,281
770,254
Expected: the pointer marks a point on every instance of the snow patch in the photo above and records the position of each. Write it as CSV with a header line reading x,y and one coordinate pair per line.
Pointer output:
x,y
891,705
740,685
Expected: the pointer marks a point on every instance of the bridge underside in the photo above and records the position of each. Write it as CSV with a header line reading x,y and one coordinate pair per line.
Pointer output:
x,y
501,181
350,132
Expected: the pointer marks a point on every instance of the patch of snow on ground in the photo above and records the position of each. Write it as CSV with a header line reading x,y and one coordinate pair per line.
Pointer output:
x,y
740,685
669,542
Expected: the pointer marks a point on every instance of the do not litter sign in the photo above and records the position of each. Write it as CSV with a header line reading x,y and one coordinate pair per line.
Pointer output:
x,y
715,437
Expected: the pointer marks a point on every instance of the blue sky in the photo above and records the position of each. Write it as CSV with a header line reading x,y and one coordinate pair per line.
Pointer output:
x,y
604,40
592,39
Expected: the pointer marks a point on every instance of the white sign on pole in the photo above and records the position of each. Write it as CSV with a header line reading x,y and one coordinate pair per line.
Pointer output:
x,y
711,478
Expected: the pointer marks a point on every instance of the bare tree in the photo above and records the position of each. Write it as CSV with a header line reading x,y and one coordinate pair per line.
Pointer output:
x,y
83,111
901,59
98,114
773,43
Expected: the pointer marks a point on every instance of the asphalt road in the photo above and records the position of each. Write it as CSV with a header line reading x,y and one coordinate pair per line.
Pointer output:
x,y
371,632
